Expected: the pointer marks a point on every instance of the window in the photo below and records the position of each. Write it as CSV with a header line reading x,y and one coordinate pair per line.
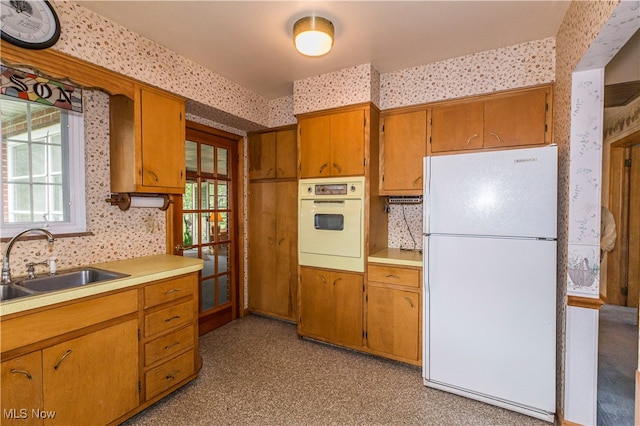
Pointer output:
x,y
42,168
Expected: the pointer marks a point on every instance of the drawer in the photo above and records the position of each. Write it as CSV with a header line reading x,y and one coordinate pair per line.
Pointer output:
x,y
168,345
169,290
169,374
394,275
168,318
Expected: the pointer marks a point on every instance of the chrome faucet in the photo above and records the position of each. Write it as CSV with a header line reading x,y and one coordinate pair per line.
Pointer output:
x,y
6,270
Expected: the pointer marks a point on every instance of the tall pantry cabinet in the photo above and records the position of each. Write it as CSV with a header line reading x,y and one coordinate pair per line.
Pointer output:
x,y
273,223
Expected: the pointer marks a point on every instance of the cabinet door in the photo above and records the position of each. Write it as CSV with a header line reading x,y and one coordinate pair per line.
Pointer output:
x,y
262,245
457,127
286,154
315,146
262,156
347,143
316,303
347,299
21,387
93,378
405,146
393,321
286,279
163,137
515,120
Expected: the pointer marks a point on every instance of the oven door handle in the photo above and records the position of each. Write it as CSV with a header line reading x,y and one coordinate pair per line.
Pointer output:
x,y
328,201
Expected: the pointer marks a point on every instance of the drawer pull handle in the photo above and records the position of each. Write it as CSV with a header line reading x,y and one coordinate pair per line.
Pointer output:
x,y
171,345
26,373
155,176
472,136
337,167
322,167
172,318
496,136
66,354
336,281
173,290
172,375
324,280
409,300
418,179
393,276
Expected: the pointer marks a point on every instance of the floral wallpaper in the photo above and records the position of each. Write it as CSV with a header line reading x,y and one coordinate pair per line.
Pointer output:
x,y
526,64
345,87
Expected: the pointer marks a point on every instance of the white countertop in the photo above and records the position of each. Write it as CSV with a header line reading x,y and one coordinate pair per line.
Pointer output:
x,y
396,256
140,270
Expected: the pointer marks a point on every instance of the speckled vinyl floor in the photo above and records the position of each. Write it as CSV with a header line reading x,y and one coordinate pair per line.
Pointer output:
x,y
258,372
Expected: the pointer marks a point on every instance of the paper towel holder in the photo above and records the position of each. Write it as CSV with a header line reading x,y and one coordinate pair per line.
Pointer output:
x,y
125,200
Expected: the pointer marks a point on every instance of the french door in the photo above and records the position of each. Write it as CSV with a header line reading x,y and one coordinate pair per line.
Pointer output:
x,y
208,216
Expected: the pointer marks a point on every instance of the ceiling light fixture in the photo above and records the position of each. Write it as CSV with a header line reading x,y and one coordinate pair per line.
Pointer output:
x,y
313,35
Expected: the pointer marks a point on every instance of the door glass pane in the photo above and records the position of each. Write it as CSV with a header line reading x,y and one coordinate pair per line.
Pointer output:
x,y
223,289
223,201
191,156
209,269
189,199
207,166
208,294
223,261
189,234
223,226
205,229
223,162
208,195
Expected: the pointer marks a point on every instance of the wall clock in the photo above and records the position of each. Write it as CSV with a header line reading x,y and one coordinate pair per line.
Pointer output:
x,y
32,24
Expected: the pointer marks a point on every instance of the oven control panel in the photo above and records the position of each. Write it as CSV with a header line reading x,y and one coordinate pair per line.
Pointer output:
x,y
332,187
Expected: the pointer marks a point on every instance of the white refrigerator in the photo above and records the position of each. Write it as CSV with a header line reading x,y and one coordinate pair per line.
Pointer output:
x,y
490,277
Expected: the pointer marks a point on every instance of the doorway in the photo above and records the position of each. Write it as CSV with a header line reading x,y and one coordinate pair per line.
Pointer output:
x,y
623,262
618,320
206,218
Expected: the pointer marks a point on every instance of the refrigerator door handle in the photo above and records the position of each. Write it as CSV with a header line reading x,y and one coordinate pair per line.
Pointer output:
x,y
426,199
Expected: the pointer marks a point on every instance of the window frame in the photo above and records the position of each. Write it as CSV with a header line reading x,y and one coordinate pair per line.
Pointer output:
x,y
75,179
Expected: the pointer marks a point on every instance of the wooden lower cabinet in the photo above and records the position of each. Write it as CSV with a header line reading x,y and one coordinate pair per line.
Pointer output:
x,y
101,367
92,379
21,389
99,360
331,306
383,318
394,314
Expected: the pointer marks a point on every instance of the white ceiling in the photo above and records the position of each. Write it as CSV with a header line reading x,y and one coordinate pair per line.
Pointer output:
x,y
249,42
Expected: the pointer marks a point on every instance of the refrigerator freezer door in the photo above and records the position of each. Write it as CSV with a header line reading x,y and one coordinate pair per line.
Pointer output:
x,y
491,320
498,193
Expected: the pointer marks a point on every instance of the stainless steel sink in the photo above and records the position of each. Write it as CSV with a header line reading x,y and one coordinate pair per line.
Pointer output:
x,y
69,278
12,291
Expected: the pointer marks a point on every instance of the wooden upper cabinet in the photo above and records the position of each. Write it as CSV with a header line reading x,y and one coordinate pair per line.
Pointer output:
x,y
273,155
262,156
515,120
404,145
504,120
332,144
315,146
147,142
347,143
457,127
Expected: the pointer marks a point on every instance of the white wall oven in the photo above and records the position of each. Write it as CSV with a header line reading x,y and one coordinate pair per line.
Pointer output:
x,y
331,223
